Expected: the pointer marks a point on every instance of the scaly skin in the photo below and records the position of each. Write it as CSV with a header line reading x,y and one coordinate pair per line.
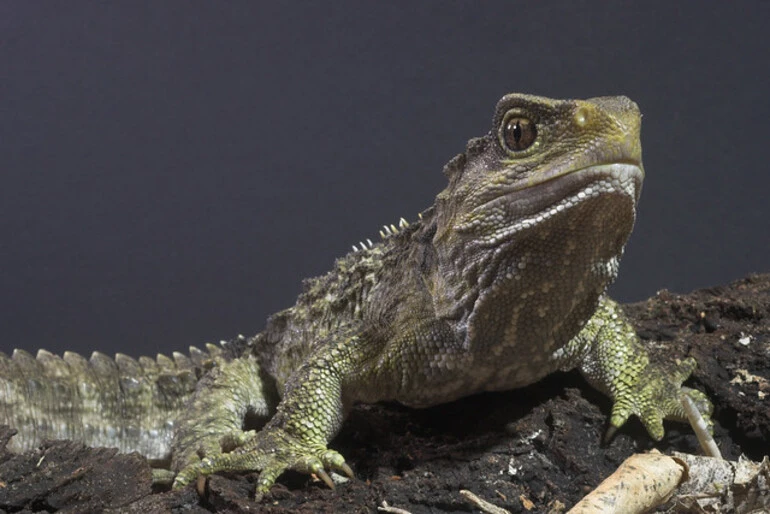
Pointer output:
x,y
497,285
122,403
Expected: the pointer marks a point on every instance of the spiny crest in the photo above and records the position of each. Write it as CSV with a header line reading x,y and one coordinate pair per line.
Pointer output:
x,y
386,232
51,365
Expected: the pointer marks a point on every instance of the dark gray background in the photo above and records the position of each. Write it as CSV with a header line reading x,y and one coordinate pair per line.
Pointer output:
x,y
172,170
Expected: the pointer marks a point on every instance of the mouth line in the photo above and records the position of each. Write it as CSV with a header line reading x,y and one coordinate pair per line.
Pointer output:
x,y
548,177
571,179
525,207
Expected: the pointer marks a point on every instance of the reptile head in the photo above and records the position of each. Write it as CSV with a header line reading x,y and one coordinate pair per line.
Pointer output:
x,y
545,200
539,152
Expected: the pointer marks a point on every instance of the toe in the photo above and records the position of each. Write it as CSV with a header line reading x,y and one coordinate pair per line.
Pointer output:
x,y
336,462
652,418
267,478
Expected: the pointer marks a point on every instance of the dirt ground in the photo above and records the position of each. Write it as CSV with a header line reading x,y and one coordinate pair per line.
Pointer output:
x,y
536,449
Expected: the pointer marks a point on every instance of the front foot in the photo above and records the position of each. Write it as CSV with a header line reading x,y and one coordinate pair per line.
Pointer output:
x,y
655,395
272,451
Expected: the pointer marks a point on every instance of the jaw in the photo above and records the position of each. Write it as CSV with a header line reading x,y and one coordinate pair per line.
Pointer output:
x,y
522,208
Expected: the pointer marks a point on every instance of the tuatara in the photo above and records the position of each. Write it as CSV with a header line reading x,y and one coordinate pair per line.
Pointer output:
x,y
501,282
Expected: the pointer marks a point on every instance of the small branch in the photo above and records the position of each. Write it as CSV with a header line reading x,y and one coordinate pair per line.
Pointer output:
x,y
700,427
691,482
484,505
642,482
391,510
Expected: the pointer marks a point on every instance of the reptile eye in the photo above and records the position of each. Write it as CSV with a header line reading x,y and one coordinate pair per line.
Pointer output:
x,y
519,133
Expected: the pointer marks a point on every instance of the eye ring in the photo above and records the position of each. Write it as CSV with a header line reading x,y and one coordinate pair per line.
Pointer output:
x,y
518,132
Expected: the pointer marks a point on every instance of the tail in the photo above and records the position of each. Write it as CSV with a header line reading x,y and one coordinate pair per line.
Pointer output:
x,y
122,403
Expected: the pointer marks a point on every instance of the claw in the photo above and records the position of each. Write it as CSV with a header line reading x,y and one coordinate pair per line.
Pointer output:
x,y
323,475
316,467
346,469
200,486
609,434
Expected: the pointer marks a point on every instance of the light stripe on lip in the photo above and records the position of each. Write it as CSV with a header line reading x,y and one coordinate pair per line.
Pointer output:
x,y
562,171
519,209
620,170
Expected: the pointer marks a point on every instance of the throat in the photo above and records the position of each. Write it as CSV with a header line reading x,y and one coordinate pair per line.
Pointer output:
x,y
538,288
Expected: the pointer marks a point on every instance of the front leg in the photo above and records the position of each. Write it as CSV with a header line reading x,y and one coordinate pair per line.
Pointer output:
x,y
316,399
611,357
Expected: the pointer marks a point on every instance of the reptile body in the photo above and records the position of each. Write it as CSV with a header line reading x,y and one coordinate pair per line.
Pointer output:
x,y
501,282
